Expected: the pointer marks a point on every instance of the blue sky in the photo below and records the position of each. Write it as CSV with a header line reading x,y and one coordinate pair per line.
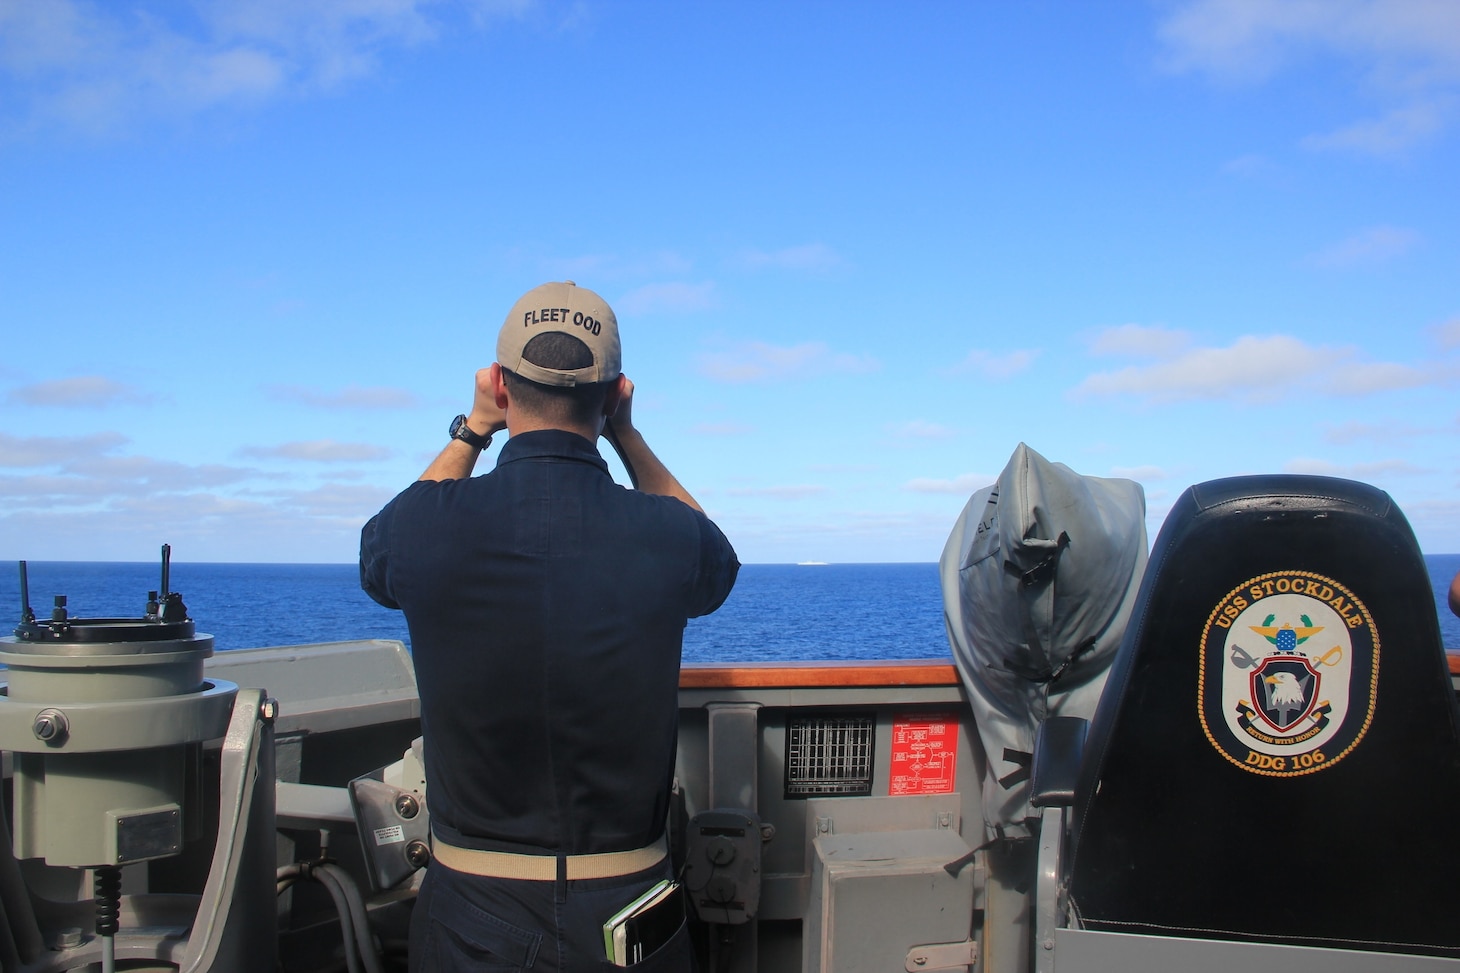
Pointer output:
x,y
251,254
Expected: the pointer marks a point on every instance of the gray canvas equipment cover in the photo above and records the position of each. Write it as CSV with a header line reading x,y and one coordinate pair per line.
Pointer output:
x,y
1039,577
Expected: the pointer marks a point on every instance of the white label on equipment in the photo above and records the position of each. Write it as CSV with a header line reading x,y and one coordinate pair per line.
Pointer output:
x,y
390,835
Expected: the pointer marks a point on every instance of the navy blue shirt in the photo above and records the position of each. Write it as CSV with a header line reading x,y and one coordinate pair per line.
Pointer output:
x,y
546,606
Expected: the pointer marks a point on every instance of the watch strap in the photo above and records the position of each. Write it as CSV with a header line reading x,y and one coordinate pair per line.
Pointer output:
x,y
460,430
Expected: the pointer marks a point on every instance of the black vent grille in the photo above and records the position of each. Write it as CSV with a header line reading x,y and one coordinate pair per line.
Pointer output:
x,y
829,755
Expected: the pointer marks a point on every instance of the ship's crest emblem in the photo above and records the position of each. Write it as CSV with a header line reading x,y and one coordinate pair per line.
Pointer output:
x,y
1289,669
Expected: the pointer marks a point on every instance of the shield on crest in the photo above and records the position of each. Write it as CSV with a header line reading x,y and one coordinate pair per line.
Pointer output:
x,y
1284,690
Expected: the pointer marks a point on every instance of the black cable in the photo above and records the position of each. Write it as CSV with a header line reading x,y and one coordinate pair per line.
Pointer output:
x,y
359,921
9,955
347,925
25,931
361,956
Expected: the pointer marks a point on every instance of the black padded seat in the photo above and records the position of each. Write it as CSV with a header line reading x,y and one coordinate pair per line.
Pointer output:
x,y
1276,756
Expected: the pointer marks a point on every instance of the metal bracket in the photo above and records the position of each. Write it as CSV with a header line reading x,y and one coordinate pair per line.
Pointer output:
x,y
1048,907
942,956
393,820
722,865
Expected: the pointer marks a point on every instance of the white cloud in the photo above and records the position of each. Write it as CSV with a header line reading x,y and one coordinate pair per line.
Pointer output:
x,y
1252,366
810,256
917,429
1365,378
1141,474
92,502
842,535
1250,166
587,268
320,451
1447,335
842,469
1391,135
89,471
988,364
757,361
1386,432
963,485
350,397
79,392
310,525
36,451
1414,41
98,67
143,473
787,492
1358,471
1376,244
722,429
87,480
673,298
1436,519
53,490
355,502
1264,369
1408,52
1140,341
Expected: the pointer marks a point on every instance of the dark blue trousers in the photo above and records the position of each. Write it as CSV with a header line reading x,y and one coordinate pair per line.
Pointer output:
x,y
466,922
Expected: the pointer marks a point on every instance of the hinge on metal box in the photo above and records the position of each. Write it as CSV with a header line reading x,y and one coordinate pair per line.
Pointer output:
x,y
942,956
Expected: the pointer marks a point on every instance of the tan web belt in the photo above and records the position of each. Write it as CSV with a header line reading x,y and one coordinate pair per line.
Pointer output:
x,y
544,868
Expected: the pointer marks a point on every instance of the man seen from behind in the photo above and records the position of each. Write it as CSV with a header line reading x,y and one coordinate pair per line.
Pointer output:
x,y
546,606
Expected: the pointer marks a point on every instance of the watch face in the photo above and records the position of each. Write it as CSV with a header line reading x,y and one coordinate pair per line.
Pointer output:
x,y
460,430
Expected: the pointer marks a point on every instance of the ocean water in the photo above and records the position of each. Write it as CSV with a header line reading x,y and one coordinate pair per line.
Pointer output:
x,y
777,612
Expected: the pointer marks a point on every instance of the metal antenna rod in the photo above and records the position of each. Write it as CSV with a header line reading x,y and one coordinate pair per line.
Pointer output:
x,y
26,615
166,563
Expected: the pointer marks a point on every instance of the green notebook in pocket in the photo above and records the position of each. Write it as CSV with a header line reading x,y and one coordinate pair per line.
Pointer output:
x,y
645,924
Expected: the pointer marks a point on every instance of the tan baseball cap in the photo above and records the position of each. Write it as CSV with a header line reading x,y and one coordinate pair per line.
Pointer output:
x,y
570,309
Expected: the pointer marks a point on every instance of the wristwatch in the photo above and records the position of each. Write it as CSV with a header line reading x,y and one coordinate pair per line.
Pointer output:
x,y
460,430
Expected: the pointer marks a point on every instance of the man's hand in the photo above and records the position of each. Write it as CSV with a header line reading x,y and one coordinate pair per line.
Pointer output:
x,y
457,459
621,420
644,468
486,418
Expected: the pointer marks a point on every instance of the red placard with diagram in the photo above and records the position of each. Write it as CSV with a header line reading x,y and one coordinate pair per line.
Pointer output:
x,y
924,753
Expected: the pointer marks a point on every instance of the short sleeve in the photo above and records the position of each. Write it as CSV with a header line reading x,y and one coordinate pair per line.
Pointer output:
x,y
374,556
718,568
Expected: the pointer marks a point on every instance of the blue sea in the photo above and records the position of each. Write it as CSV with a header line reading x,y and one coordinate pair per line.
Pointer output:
x,y
777,612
